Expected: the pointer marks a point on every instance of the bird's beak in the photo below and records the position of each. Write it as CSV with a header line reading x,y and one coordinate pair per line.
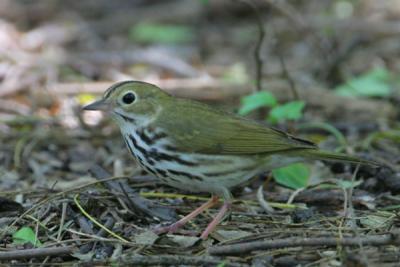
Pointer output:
x,y
98,105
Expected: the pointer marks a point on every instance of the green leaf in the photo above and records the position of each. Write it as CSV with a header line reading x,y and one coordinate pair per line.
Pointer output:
x,y
26,235
255,101
294,176
348,184
375,83
289,111
160,33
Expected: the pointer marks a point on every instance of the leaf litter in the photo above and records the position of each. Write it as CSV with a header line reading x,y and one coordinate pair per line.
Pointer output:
x,y
61,170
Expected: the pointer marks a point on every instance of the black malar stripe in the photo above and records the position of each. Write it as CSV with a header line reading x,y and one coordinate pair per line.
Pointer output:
x,y
126,118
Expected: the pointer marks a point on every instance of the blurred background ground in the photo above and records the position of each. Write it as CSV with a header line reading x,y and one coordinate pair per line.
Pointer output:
x,y
341,58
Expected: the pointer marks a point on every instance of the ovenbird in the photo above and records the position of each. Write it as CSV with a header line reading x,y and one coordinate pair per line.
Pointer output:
x,y
191,146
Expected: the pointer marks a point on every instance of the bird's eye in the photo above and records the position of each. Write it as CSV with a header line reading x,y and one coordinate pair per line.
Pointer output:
x,y
128,98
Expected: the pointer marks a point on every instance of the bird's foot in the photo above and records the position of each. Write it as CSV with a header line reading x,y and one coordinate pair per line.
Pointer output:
x,y
175,226
217,219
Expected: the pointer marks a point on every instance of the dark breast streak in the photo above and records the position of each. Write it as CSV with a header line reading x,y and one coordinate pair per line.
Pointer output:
x,y
147,157
150,140
155,154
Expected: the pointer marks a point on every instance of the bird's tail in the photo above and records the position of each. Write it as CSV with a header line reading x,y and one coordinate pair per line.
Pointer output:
x,y
316,154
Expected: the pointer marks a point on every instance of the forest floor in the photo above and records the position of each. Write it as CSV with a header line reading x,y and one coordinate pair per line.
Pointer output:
x,y
71,193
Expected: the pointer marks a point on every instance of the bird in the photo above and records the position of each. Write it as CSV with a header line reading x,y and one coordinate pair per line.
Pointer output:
x,y
194,147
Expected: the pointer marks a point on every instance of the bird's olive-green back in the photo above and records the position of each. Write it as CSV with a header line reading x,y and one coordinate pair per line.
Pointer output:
x,y
196,127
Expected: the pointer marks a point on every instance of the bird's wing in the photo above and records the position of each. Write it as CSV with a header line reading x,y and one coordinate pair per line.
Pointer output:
x,y
206,130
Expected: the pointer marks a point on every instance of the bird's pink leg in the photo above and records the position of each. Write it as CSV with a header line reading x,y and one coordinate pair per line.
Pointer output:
x,y
175,226
216,220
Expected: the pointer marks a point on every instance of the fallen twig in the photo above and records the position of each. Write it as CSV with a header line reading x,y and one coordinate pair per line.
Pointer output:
x,y
154,56
13,106
35,253
169,260
373,240
323,197
260,39
263,203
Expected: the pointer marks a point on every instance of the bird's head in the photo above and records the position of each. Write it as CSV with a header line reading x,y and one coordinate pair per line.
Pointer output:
x,y
131,102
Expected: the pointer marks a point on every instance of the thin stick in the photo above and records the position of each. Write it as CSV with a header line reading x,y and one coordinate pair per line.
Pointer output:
x,y
257,48
35,253
286,75
238,249
175,260
350,216
63,215
263,203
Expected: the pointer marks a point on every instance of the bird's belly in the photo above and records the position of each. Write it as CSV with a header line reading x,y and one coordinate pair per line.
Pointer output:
x,y
209,173
204,173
